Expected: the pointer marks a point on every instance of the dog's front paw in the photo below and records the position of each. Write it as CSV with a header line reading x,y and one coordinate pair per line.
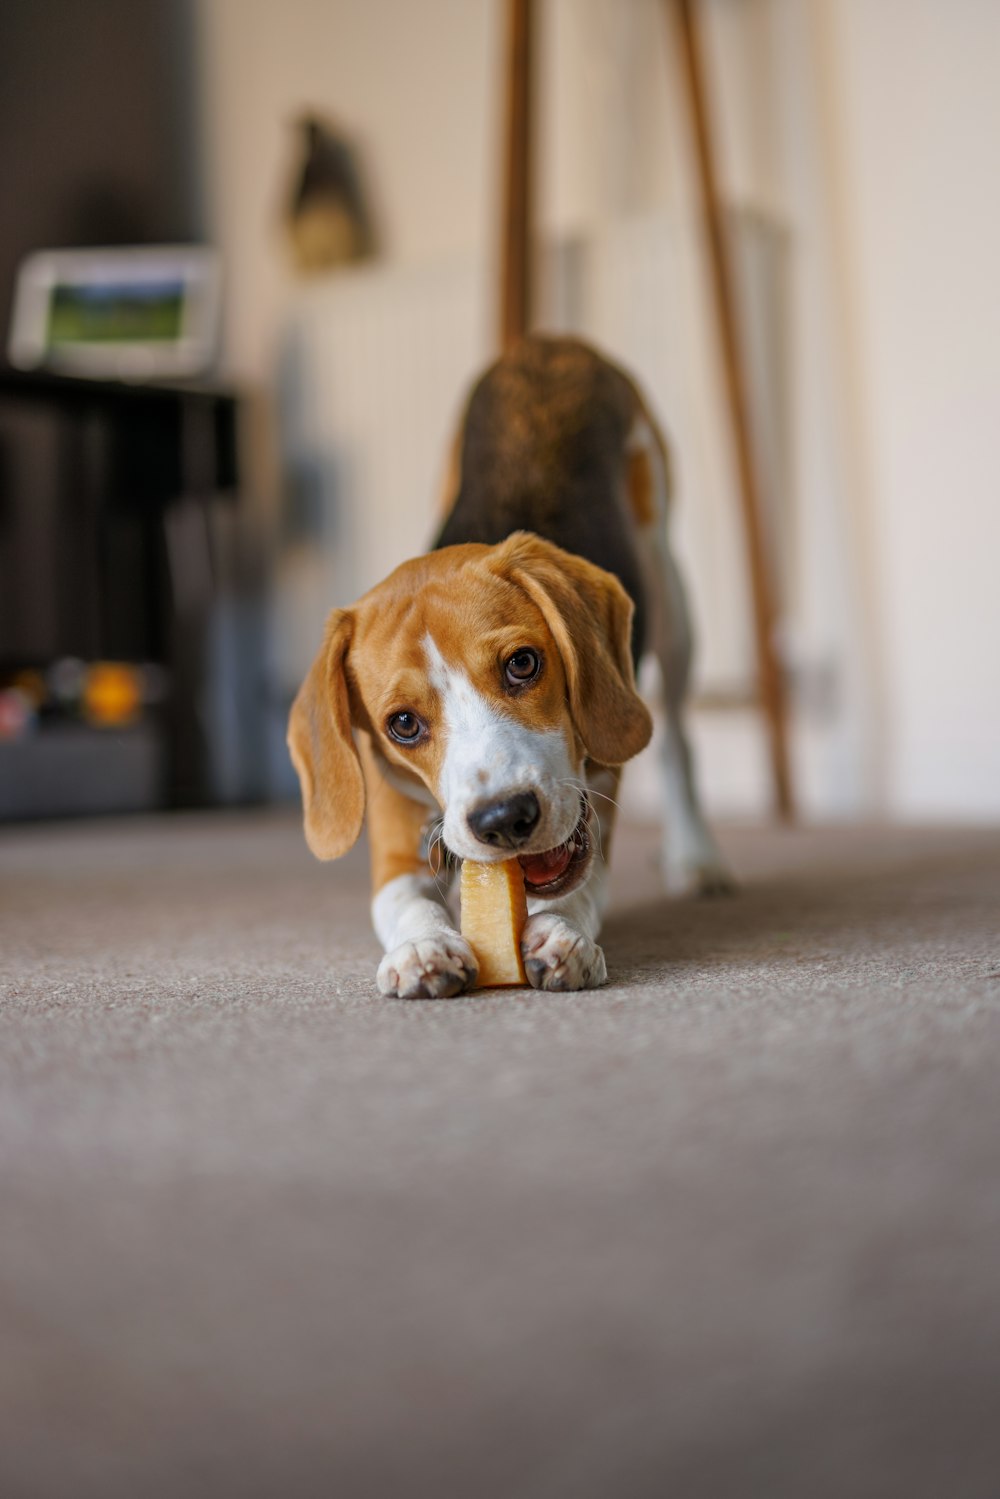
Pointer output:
x,y
435,968
558,956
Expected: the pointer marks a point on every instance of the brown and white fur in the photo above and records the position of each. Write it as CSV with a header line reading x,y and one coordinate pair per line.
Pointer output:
x,y
487,689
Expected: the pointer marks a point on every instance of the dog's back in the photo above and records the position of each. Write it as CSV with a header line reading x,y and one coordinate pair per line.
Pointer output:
x,y
544,449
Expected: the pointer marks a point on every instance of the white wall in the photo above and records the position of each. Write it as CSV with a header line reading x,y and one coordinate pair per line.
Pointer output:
x,y
919,84
413,81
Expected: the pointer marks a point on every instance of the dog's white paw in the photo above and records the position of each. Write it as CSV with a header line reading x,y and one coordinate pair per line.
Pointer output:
x,y
435,968
708,877
558,956
693,863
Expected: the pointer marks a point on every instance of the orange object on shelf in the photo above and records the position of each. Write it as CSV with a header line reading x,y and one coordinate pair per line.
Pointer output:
x,y
112,694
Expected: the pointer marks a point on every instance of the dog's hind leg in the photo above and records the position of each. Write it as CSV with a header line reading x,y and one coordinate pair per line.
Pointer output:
x,y
691,858
692,862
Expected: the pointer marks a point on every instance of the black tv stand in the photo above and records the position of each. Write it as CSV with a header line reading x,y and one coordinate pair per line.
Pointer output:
x,y
107,495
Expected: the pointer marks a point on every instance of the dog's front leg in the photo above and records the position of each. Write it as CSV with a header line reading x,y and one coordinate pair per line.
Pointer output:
x,y
558,942
425,957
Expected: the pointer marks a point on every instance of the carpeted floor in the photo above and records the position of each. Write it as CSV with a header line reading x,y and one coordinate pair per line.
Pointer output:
x,y
728,1227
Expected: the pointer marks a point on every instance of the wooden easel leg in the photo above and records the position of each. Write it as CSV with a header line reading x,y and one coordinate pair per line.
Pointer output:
x,y
772,687
515,250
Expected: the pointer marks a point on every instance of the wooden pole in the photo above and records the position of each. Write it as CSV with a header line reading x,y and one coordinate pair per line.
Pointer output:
x,y
515,250
771,682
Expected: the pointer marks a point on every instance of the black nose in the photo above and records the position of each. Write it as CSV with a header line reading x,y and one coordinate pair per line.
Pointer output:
x,y
507,823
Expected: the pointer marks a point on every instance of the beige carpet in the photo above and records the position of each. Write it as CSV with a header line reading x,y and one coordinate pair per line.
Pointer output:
x,y
730,1226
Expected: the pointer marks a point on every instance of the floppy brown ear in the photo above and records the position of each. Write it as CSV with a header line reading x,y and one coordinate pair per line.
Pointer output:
x,y
322,748
590,615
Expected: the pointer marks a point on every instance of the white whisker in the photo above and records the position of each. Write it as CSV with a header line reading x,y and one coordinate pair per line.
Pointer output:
x,y
589,791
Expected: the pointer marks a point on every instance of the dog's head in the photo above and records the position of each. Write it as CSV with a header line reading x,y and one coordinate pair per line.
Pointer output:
x,y
485,678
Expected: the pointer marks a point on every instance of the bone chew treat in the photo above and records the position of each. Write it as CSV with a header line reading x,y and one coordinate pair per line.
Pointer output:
x,y
494,911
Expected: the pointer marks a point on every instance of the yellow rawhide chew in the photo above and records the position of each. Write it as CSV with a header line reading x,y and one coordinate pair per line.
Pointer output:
x,y
494,911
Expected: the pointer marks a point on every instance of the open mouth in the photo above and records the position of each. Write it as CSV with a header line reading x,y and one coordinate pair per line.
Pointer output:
x,y
552,872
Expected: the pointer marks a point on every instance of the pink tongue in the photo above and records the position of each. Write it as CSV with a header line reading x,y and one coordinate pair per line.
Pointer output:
x,y
539,869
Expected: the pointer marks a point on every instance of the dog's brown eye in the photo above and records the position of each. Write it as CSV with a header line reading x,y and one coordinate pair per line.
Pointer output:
x,y
522,667
405,728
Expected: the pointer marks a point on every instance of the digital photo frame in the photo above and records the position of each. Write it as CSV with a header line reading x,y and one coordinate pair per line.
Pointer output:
x,y
142,313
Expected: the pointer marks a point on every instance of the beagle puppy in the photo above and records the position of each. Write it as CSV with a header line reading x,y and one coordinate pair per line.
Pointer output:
x,y
480,702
